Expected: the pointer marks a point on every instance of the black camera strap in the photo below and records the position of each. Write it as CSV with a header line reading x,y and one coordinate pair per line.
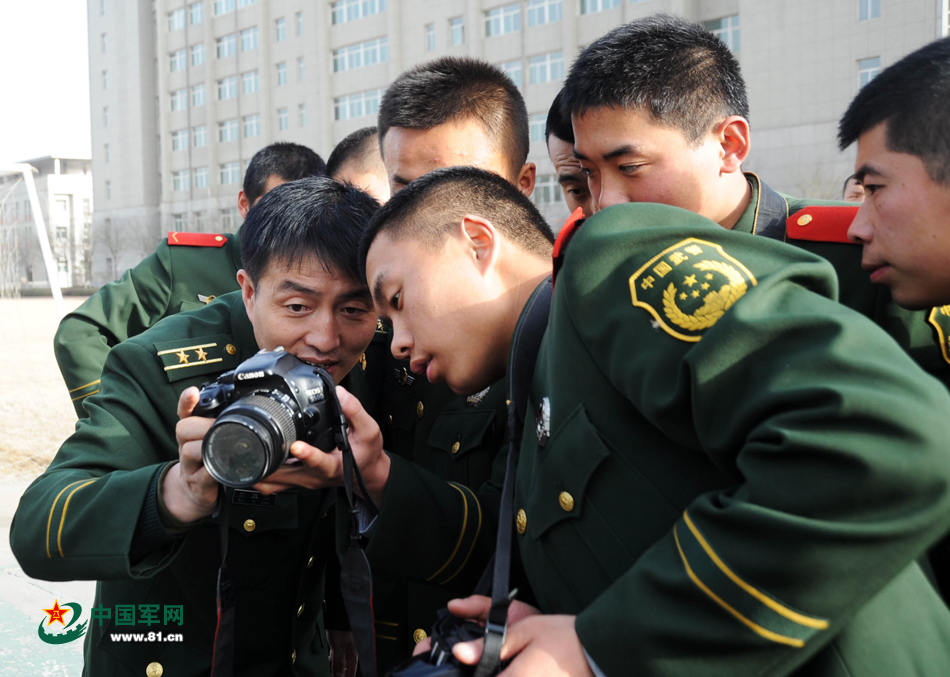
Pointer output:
x,y
222,661
524,352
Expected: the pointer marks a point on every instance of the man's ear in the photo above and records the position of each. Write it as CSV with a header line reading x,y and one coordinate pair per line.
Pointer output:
x,y
526,179
244,206
736,142
481,238
247,292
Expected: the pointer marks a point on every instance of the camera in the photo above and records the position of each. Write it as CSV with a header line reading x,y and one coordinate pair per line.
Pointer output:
x,y
262,407
447,631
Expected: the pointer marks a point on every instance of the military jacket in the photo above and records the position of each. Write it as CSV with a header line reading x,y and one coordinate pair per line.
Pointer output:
x,y
78,520
184,272
736,474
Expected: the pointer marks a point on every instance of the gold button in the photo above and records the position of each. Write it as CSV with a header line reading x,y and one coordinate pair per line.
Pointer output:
x,y
455,448
154,670
420,409
805,220
293,656
310,563
249,525
521,521
566,501
389,419
218,238
300,611
419,635
232,350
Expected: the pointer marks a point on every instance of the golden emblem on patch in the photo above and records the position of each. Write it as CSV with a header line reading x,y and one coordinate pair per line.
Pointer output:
x,y
940,320
689,286
544,422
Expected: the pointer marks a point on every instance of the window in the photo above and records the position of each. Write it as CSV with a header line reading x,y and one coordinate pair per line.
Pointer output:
x,y
283,119
360,56
181,180
301,70
430,37
299,22
105,116
197,54
229,217
107,154
230,173
196,13
180,140
281,74
227,88
105,79
281,25
727,30
178,222
176,20
503,20
61,231
302,113
351,10
252,126
108,190
538,122
228,130
249,39
546,190
513,70
542,12
246,3
250,82
546,68
177,61
179,99
868,69
594,6
457,30
869,9
357,105
198,96
200,135
102,7
105,43
223,6
226,45
201,177
201,221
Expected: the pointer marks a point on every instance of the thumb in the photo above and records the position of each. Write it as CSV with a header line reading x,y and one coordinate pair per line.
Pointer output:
x,y
187,402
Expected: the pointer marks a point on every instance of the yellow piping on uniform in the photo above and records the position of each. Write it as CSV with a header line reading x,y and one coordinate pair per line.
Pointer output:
x,y
758,629
393,625
86,395
194,364
385,637
175,350
62,518
49,522
461,535
85,386
807,621
478,530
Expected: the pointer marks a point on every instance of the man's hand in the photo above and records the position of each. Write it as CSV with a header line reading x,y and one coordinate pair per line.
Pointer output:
x,y
342,653
188,491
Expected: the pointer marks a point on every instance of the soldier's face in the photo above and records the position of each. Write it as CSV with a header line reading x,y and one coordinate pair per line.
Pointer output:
x,y
903,223
570,175
443,305
322,317
629,157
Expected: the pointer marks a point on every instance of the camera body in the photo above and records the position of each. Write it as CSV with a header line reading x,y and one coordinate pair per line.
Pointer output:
x,y
262,407
447,631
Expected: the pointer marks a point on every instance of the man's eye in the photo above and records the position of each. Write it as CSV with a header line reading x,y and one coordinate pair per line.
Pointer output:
x,y
296,307
578,192
585,171
395,300
629,169
352,310
871,188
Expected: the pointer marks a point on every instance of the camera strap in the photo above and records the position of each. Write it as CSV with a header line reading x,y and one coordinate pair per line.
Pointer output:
x,y
524,352
222,660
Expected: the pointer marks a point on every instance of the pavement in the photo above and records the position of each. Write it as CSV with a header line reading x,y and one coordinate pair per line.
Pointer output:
x,y
22,600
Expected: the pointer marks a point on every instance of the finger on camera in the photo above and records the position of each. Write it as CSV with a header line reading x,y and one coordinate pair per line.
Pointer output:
x,y
187,401
425,646
469,652
191,429
475,607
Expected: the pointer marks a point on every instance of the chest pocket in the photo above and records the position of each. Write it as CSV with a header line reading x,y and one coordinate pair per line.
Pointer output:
x,y
457,433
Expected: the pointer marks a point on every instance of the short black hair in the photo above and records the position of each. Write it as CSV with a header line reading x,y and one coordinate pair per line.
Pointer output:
x,y
360,146
559,121
312,216
676,70
290,161
912,97
434,204
453,89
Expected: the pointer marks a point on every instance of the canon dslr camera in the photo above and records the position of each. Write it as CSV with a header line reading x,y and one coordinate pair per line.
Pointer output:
x,y
448,631
262,407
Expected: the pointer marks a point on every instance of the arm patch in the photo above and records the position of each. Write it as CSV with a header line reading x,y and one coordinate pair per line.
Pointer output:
x,y
821,224
196,239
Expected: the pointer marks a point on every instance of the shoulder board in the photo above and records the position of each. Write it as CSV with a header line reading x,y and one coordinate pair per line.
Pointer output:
x,y
564,237
192,356
821,224
196,239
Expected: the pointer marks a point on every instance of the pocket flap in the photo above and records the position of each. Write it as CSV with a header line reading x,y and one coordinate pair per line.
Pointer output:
x,y
457,432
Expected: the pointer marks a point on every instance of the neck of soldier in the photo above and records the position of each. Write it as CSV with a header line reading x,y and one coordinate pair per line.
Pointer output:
x,y
734,195
521,275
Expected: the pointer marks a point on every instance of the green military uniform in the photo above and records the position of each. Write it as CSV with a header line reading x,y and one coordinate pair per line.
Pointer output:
x,y
94,515
736,473
185,271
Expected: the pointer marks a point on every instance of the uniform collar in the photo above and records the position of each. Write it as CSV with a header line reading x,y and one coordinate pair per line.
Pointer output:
x,y
234,242
747,222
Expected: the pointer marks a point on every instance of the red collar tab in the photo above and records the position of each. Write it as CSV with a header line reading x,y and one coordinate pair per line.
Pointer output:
x,y
564,237
821,224
196,239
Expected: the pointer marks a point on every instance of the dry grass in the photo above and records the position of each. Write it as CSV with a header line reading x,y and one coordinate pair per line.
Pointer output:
x,y
36,414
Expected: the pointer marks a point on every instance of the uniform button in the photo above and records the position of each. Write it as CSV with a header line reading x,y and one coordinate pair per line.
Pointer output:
x,y
455,448
566,501
805,220
310,563
218,238
231,349
521,521
154,670
389,419
300,611
249,525
420,409
419,635
293,656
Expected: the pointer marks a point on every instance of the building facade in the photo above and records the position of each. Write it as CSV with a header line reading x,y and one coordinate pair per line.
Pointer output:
x,y
184,92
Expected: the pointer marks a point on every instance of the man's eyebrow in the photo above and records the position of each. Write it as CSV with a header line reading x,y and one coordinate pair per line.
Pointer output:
x,y
564,178
400,180
626,149
866,169
290,285
378,290
360,293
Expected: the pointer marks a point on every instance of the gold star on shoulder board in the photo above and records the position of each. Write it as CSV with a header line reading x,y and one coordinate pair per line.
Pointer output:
x,y
182,357
202,355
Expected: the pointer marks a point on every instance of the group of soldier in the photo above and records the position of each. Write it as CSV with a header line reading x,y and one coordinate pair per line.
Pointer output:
x,y
736,454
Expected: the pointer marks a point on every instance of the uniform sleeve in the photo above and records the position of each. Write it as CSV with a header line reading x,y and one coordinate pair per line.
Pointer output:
x,y
836,442
79,518
119,310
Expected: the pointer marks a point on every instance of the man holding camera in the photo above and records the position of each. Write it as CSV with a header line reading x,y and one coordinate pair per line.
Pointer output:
x,y
127,498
